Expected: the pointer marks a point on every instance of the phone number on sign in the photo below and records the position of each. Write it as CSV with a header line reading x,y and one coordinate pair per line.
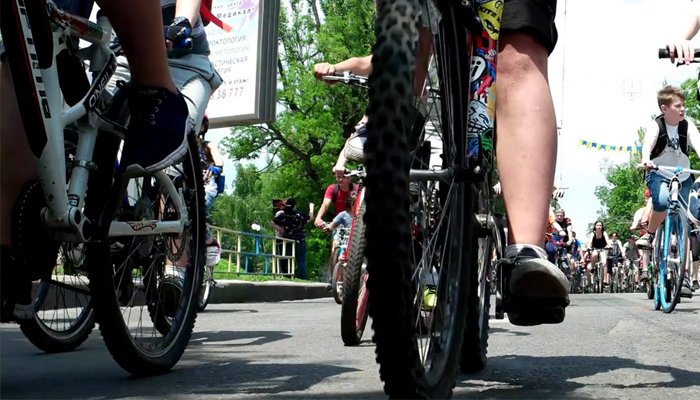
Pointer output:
x,y
224,93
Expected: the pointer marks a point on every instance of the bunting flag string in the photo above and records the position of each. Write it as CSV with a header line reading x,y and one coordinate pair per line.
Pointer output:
x,y
608,147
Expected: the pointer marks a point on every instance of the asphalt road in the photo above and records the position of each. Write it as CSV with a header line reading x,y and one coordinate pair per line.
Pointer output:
x,y
610,346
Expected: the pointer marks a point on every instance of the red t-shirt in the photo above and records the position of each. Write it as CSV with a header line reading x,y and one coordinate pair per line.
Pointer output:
x,y
339,205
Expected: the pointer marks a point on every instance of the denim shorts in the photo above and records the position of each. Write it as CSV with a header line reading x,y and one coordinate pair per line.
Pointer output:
x,y
654,181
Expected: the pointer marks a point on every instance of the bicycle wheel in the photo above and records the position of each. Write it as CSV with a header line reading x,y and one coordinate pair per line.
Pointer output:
x,y
353,312
399,248
476,334
337,282
172,300
207,287
36,252
673,260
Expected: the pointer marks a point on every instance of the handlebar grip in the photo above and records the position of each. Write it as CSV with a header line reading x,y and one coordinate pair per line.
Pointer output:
x,y
664,53
183,44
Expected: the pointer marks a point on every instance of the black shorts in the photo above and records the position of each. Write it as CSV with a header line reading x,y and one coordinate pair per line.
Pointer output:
x,y
532,16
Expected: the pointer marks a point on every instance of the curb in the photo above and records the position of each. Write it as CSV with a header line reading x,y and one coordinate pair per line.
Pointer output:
x,y
225,292
233,291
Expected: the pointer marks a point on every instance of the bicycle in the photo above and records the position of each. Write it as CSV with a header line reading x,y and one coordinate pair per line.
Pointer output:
x,y
96,207
339,261
457,225
670,255
615,276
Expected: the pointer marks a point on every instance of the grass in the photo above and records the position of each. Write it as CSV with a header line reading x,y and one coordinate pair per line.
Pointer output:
x,y
221,272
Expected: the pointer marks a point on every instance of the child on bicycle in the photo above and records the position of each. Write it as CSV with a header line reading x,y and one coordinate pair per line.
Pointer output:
x,y
666,143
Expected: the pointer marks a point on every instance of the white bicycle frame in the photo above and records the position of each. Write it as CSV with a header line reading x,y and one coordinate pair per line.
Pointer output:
x,y
63,215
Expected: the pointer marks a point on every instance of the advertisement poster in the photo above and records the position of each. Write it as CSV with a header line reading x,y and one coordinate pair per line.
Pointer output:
x,y
244,57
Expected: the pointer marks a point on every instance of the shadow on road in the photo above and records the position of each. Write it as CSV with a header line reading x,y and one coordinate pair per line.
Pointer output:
x,y
212,310
217,337
207,368
526,377
496,330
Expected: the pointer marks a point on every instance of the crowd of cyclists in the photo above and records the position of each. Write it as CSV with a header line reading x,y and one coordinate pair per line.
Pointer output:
x,y
169,93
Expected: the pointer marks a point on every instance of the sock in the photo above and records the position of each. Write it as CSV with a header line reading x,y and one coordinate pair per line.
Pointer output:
x,y
515,250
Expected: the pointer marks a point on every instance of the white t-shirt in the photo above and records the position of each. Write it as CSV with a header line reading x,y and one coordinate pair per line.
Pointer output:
x,y
671,155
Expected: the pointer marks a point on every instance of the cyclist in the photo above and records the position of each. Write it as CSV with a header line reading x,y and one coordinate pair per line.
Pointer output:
x,y
565,226
639,222
630,254
342,220
212,165
666,142
526,153
598,242
157,130
613,257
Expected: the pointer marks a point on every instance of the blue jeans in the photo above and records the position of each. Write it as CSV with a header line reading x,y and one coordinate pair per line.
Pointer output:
x,y
551,251
300,256
654,180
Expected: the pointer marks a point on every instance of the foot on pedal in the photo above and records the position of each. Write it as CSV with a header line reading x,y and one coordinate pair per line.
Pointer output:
x,y
537,291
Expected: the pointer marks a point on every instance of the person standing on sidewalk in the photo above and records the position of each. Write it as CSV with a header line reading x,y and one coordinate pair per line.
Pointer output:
x,y
291,224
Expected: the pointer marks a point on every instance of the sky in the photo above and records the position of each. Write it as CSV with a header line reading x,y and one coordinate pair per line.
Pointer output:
x,y
604,74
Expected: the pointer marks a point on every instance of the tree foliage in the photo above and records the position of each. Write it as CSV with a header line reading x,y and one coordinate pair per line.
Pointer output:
x,y
623,192
302,145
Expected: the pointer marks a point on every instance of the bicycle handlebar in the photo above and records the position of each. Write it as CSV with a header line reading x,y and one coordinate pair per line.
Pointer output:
x,y
674,170
347,77
664,53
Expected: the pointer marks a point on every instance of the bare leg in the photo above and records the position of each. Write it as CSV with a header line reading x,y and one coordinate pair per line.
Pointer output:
x,y
139,25
527,136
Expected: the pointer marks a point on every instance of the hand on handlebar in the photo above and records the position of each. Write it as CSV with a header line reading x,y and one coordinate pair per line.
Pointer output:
x,y
682,50
319,223
650,166
324,69
339,170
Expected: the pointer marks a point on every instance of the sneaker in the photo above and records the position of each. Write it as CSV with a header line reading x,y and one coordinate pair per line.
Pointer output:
x,y
686,290
539,291
330,285
643,277
213,253
696,285
645,242
157,135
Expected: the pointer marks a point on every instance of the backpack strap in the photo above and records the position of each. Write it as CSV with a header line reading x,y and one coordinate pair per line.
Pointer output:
x,y
660,144
336,188
207,16
683,136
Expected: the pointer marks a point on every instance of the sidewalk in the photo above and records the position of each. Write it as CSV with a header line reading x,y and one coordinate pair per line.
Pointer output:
x,y
225,291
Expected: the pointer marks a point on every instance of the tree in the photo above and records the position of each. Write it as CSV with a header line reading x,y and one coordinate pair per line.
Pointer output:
x,y
304,141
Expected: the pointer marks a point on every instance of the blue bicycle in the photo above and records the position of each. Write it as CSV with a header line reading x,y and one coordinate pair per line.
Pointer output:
x,y
671,249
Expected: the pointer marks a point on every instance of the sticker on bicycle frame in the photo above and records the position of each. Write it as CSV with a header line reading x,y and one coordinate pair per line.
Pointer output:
x,y
137,226
490,14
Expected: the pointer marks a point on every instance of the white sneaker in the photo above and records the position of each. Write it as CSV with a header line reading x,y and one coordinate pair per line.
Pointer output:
x,y
213,254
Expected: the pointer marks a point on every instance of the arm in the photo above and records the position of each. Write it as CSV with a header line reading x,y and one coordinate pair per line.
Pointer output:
x,y
188,9
570,232
688,26
590,241
215,155
356,65
607,239
321,212
339,168
311,211
650,136
276,227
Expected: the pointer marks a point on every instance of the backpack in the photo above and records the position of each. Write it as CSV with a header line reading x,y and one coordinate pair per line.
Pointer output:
x,y
220,184
207,16
336,189
663,135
